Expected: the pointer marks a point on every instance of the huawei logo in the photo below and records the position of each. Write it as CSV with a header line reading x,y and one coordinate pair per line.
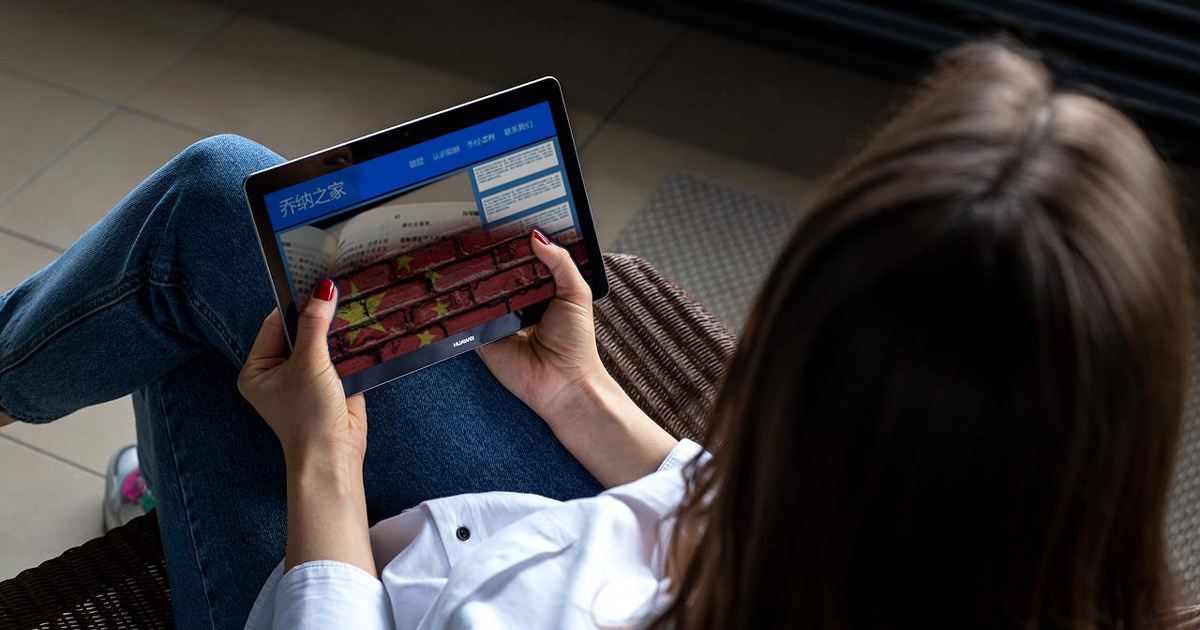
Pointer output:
x,y
464,340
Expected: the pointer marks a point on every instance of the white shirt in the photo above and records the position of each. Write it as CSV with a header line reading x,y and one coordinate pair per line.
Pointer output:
x,y
528,562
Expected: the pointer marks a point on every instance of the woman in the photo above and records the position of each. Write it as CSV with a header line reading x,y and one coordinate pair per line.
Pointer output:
x,y
955,404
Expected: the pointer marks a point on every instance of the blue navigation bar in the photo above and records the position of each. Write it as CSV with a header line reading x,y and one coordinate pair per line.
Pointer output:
x,y
362,182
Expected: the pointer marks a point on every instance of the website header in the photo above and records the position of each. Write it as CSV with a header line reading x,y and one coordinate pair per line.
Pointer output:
x,y
379,176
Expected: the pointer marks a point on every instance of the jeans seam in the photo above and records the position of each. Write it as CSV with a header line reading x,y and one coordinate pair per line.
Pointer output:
x,y
56,327
202,310
103,300
185,503
86,308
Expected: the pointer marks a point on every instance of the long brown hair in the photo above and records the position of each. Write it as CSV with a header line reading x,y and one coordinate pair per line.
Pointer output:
x,y
957,399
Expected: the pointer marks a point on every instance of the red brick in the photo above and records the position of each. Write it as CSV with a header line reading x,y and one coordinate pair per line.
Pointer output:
x,y
337,347
403,295
514,253
579,252
464,271
475,241
417,262
454,302
379,304
364,281
537,294
373,334
474,318
504,283
356,364
408,343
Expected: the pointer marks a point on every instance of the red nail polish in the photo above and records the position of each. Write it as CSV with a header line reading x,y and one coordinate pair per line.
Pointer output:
x,y
540,237
324,290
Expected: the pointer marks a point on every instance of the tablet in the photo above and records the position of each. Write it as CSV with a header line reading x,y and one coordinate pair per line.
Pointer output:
x,y
425,229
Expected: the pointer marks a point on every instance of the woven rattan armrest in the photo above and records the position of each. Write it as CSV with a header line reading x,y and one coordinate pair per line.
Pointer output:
x,y
666,351
116,581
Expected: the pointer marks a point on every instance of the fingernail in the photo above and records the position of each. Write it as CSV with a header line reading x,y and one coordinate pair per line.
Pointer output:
x,y
324,290
540,237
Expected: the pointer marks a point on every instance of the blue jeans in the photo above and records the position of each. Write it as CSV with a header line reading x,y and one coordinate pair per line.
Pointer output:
x,y
163,298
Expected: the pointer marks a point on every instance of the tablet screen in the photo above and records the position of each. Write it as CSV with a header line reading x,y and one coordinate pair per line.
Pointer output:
x,y
431,240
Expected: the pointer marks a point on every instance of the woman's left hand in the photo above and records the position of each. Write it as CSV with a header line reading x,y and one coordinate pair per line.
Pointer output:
x,y
323,433
299,393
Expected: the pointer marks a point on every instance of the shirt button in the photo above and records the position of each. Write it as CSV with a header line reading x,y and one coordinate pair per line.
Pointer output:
x,y
463,533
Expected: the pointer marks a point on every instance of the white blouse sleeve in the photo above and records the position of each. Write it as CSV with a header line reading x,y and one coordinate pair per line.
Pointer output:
x,y
683,452
328,594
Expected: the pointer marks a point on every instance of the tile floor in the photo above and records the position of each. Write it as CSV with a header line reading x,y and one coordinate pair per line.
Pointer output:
x,y
95,95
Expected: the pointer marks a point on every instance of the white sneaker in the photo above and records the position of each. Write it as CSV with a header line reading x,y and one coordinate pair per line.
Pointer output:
x,y
126,496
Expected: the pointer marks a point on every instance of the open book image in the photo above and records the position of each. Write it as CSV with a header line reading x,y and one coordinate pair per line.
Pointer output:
x,y
313,253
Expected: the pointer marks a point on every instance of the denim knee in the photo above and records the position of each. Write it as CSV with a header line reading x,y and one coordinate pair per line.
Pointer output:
x,y
206,179
222,161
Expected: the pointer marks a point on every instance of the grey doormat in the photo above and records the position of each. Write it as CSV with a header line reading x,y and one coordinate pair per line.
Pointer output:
x,y
714,240
717,242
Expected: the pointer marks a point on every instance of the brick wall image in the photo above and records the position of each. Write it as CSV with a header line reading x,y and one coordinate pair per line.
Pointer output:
x,y
414,298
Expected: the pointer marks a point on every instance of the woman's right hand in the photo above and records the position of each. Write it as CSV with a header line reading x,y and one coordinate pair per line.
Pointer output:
x,y
548,364
554,367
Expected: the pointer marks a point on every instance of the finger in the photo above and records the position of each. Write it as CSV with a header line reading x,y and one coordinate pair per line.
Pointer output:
x,y
313,328
271,342
569,282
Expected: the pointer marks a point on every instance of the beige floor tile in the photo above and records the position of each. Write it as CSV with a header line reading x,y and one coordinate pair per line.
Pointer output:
x,y
296,92
47,507
82,187
110,49
623,166
757,104
596,49
87,437
36,122
19,260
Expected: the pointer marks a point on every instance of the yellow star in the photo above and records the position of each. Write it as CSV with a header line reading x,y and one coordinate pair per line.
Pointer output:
x,y
433,276
360,311
441,308
402,262
350,312
426,338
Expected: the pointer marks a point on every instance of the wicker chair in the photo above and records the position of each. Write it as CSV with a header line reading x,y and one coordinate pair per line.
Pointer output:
x,y
666,351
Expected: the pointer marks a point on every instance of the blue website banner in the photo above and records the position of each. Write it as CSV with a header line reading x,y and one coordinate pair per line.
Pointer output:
x,y
352,185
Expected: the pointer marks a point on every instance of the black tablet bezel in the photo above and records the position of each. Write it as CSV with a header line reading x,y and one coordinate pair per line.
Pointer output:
x,y
333,159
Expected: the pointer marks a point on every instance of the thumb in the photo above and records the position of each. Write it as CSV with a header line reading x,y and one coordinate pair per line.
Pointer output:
x,y
569,283
313,326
